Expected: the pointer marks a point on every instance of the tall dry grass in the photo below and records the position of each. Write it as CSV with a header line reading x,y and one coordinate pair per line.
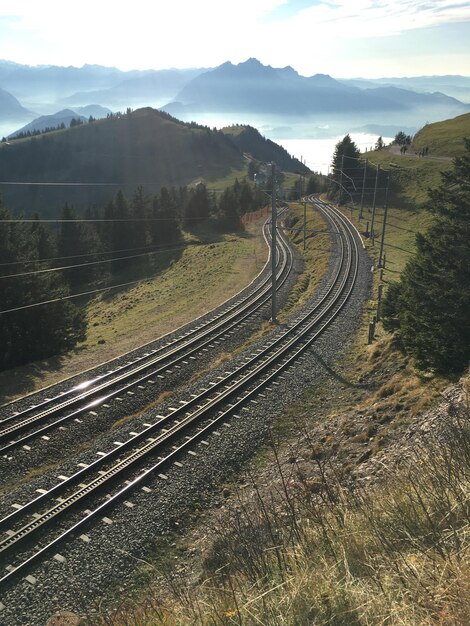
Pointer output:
x,y
317,551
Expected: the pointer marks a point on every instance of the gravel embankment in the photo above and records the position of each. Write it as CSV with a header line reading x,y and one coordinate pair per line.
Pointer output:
x,y
114,550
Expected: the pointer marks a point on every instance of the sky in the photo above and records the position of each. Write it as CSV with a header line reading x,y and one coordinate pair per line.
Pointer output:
x,y
343,38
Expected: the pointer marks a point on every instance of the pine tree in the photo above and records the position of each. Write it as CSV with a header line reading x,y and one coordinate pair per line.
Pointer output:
x,y
229,210
139,210
117,235
79,240
33,332
430,306
345,166
198,207
164,228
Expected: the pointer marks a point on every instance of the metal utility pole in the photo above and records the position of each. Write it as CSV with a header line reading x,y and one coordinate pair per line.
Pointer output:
x,y
363,188
305,223
273,246
373,203
341,179
384,222
305,207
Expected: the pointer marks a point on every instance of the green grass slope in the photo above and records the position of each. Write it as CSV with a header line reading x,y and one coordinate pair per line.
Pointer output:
x,y
411,175
444,138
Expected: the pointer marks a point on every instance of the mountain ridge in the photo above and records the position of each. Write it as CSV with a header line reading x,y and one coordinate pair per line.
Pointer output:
x,y
256,88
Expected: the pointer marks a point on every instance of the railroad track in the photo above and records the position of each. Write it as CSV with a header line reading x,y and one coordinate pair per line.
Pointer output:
x,y
20,427
90,493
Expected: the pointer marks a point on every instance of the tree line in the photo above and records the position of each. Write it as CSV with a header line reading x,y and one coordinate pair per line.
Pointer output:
x,y
124,234
429,307
24,134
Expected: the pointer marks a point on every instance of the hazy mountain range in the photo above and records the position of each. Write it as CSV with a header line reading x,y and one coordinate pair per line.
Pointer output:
x,y
251,86
11,108
63,117
279,95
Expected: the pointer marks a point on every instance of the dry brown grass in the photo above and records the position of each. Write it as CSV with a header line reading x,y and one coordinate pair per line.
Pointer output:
x,y
312,552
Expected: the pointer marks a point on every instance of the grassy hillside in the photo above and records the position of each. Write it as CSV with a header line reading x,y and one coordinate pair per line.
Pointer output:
x,y
87,164
145,148
444,138
187,283
249,140
412,176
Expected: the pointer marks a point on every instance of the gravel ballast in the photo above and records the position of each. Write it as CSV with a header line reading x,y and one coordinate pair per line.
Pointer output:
x,y
115,549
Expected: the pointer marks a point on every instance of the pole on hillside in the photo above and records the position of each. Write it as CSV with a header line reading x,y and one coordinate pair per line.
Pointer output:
x,y
379,301
305,223
384,223
373,203
273,246
305,208
341,179
363,188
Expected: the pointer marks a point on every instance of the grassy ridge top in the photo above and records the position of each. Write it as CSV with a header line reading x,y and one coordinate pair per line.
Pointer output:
x,y
444,138
411,175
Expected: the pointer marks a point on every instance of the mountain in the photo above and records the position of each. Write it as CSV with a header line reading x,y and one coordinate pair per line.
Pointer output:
x,y
51,82
49,121
10,107
88,163
95,110
256,88
413,98
249,140
453,85
154,87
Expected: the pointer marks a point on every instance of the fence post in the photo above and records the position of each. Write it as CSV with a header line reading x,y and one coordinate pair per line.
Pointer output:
x,y
371,331
379,301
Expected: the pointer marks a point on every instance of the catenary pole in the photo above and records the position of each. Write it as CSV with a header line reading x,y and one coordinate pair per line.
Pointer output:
x,y
384,222
373,203
273,246
363,188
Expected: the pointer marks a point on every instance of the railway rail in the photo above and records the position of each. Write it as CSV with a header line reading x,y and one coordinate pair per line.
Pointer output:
x,y
20,427
26,541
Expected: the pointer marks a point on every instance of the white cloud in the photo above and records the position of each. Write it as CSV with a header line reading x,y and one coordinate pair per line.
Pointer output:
x,y
376,18
184,33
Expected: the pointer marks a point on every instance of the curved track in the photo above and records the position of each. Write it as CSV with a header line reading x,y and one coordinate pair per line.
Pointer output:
x,y
103,483
36,420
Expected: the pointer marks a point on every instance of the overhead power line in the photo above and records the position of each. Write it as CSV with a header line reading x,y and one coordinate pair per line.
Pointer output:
x,y
76,265
76,295
85,220
74,256
51,184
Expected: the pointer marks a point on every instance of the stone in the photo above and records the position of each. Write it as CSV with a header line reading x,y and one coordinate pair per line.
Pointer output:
x,y
65,618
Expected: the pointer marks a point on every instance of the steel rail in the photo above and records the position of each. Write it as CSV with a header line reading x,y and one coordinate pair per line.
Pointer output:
x,y
185,335
300,335
185,350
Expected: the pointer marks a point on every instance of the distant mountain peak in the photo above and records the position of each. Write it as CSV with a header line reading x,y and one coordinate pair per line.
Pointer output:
x,y
322,78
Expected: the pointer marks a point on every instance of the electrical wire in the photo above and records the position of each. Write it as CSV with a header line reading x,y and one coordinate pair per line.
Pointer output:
x,y
76,295
86,220
390,245
68,267
73,256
